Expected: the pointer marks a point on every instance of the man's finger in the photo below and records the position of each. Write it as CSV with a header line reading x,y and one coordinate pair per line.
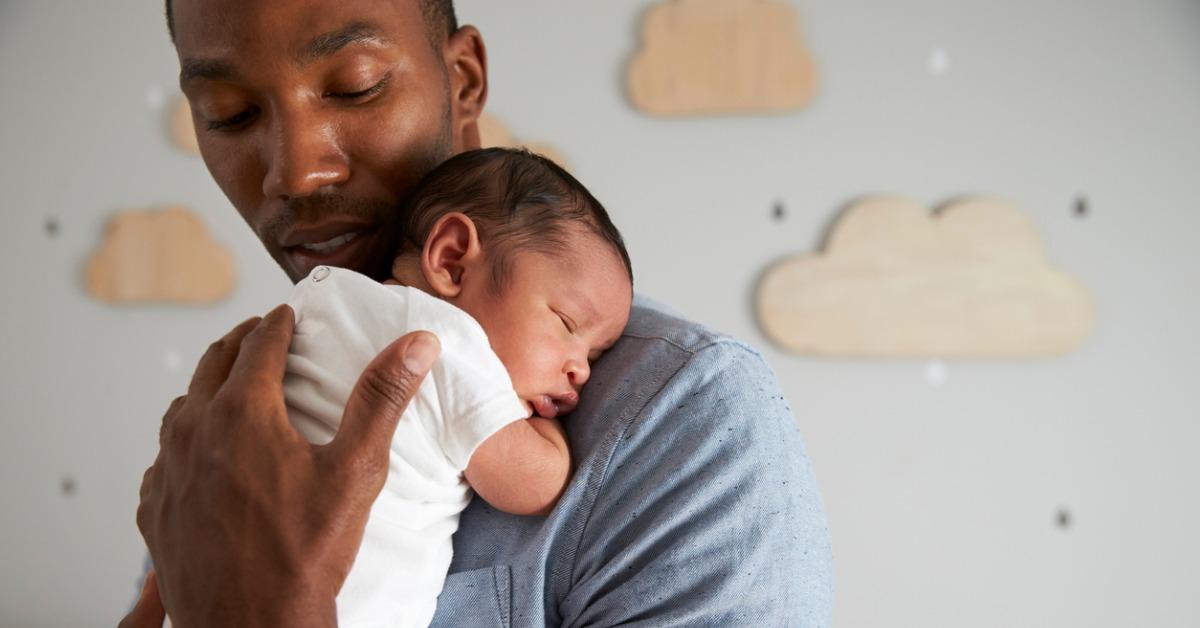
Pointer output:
x,y
260,364
380,397
213,368
148,612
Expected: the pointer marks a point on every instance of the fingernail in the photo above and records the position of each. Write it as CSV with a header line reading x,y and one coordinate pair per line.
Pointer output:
x,y
422,353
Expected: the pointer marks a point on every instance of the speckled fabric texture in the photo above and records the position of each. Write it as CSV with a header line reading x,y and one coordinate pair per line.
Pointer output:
x,y
693,503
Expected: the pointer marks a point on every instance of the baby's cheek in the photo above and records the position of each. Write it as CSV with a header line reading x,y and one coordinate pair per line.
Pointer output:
x,y
529,370
513,362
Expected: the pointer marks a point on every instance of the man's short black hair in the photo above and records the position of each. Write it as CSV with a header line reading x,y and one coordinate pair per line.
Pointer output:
x,y
440,20
519,201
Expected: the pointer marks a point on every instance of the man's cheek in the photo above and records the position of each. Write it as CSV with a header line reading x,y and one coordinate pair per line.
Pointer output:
x,y
226,173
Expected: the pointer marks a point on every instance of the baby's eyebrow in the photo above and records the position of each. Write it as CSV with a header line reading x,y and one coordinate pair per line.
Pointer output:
x,y
589,309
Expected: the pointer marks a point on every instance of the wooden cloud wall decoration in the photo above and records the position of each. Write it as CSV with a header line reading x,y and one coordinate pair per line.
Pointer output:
x,y
721,56
895,280
159,256
183,132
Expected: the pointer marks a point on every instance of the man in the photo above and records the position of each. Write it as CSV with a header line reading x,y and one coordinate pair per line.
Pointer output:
x,y
693,502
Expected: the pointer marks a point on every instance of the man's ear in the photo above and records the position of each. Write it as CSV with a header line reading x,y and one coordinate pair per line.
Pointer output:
x,y
452,251
466,64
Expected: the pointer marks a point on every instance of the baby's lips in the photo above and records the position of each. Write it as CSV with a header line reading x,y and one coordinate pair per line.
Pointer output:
x,y
550,406
566,402
544,406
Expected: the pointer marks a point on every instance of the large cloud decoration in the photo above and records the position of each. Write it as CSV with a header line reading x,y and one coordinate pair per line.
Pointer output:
x,y
898,281
164,256
721,56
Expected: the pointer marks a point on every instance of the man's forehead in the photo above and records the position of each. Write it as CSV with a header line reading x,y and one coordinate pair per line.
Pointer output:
x,y
305,28
319,47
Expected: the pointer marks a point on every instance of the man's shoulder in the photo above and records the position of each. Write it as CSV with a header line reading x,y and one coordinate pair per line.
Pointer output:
x,y
661,370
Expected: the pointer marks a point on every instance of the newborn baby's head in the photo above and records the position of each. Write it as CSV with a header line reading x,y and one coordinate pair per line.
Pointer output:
x,y
525,249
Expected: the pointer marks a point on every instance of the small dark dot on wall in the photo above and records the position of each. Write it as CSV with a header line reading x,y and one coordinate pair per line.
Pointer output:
x,y
779,211
1063,519
68,486
51,227
1081,207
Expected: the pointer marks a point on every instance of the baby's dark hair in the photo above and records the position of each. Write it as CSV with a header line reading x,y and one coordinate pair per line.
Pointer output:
x,y
518,200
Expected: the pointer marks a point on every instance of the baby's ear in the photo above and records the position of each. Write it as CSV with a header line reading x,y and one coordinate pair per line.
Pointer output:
x,y
452,251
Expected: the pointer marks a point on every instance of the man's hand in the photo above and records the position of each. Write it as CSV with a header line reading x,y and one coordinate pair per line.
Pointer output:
x,y
247,523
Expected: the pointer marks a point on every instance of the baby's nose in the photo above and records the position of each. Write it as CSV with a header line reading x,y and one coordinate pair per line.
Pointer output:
x,y
577,372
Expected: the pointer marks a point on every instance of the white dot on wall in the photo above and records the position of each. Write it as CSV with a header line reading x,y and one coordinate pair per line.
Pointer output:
x,y
171,360
939,62
935,373
155,97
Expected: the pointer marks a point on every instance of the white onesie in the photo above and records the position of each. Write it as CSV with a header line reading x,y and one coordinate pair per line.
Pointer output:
x,y
343,320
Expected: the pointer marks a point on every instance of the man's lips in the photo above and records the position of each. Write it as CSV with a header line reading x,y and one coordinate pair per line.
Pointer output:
x,y
344,245
330,245
322,233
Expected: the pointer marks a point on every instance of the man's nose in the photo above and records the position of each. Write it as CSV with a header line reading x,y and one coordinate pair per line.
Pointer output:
x,y
302,155
577,372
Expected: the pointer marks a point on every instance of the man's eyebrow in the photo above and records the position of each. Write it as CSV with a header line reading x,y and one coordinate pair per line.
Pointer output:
x,y
327,44
194,69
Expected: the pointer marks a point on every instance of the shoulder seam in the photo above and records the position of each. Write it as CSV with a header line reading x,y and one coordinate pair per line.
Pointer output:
x,y
712,340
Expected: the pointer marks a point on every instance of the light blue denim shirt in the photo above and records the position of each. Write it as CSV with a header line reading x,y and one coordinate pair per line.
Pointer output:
x,y
693,502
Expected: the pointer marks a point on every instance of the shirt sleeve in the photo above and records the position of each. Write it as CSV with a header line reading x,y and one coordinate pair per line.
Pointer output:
x,y
709,513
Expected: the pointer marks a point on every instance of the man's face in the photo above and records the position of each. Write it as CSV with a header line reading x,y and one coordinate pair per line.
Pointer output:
x,y
317,118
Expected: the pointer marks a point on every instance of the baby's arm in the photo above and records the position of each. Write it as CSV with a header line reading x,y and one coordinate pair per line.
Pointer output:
x,y
523,468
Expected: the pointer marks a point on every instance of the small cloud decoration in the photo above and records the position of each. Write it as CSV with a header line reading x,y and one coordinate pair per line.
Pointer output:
x,y
721,56
161,255
493,132
897,281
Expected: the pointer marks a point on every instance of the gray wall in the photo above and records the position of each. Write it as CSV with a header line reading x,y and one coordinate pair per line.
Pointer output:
x,y
943,498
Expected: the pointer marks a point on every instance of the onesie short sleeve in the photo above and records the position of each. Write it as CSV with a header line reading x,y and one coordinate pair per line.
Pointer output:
x,y
474,390
473,413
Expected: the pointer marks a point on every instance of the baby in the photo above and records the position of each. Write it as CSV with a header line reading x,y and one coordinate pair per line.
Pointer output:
x,y
519,272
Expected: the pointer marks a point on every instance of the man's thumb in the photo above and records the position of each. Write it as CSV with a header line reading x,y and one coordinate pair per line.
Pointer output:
x,y
379,398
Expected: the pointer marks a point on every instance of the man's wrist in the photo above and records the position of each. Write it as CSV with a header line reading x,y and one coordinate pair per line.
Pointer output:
x,y
299,607
310,606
